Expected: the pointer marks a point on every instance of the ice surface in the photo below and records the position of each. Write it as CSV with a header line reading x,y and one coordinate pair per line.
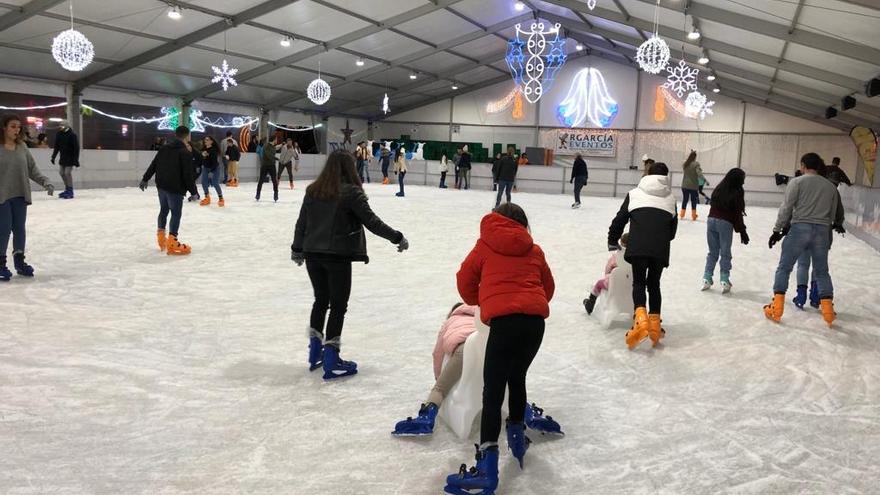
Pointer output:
x,y
123,370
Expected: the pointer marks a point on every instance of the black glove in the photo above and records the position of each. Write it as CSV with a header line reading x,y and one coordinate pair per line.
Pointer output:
x,y
839,229
297,257
776,237
613,247
744,237
52,161
403,245
143,185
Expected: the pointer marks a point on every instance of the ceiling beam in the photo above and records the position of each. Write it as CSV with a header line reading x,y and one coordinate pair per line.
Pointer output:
x,y
329,45
25,12
870,4
794,112
855,51
421,54
117,68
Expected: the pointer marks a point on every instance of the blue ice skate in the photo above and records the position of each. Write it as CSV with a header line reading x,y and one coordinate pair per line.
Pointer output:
x,y
517,441
336,367
814,295
801,298
5,274
419,426
535,420
21,267
482,479
316,351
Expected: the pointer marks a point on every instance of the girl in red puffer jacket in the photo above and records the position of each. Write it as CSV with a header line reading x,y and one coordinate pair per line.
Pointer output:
x,y
507,276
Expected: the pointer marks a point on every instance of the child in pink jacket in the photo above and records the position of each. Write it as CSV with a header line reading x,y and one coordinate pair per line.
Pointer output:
x,y
601,285
459,325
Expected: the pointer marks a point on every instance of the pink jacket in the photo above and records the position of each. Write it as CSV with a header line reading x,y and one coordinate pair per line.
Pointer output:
x,y
453,333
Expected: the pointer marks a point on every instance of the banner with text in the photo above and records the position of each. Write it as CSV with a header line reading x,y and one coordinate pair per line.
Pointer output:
x,y
588,142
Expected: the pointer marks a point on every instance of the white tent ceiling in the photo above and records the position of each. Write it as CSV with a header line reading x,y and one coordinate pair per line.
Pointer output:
x,y
798,56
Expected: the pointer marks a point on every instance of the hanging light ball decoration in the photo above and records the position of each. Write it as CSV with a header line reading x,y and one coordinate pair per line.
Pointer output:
x,y
72,50
653,55
318,91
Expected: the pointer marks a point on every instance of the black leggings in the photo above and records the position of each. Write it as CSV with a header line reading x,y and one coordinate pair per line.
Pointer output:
x,y
646,275
331,282
273,176
285,166
514,341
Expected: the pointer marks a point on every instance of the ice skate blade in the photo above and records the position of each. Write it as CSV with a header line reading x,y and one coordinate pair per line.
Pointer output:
x,y
410,434
319,364
330,376
454,490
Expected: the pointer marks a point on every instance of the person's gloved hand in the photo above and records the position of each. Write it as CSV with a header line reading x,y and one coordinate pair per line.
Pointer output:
x,y
297,257
52,161
50,189
403,245
613,247
839,229
143,185
776,237
744,237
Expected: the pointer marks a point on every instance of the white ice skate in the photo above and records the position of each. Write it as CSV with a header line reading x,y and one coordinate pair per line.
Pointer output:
x,y
707,284
725,287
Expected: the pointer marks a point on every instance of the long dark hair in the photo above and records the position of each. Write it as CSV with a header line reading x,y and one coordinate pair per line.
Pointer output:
x,y
815,162
213,143
5,122
339,169
729,193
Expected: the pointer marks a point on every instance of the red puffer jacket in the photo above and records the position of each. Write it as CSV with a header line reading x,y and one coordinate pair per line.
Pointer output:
x,y
506,272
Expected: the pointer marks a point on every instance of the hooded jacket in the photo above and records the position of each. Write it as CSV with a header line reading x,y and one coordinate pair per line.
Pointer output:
x,y
650,211
67,145
507,169
334,229
455,330
506,272
173,168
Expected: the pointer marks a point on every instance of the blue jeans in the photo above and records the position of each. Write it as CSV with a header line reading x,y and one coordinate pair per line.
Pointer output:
x,y
211,177
719,235
360,169
13,217
170,203
690,194
504,187
805,238
803,264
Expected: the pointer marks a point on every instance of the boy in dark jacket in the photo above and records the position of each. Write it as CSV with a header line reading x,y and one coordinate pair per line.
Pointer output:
x,y
579,177
267,167
67,145
650,211
506,176
172,167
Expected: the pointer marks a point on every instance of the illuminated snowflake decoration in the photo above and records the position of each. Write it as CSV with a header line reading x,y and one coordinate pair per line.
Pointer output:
x,y
72,50
318,91
682,79
698,104
385,107
653,55
224,75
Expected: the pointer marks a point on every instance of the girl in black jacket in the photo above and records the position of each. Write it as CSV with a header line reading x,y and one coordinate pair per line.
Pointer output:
x,y
725,218
210,172
329,236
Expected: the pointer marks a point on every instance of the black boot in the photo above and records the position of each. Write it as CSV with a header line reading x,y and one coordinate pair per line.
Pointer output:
x,y
5,274
21,267
589,304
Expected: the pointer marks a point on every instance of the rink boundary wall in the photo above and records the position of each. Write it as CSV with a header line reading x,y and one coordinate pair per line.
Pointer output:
x,y
862,206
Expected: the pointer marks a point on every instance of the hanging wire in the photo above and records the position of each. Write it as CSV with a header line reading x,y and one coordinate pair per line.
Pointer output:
x,y
71,14
657,19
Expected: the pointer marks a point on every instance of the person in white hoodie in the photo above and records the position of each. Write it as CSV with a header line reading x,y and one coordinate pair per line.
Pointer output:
x,y
650,210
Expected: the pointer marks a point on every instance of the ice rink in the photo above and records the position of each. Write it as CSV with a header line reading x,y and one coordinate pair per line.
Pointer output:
x,y
125,371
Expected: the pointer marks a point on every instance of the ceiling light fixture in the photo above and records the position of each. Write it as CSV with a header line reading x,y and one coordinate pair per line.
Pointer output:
x,y
694,34
359,62
174,13
703,60
579,47
413,76
716,90
519,6
710,77
286,41
454,87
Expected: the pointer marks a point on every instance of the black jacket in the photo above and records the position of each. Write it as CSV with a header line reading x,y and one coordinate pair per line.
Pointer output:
x,y
836,175
267,157
507,168
173,167
212,160
464,161
67,144
650,211
335,229
579,169
233,153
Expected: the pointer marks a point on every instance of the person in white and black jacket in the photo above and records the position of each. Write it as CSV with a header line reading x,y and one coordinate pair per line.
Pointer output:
x,y
650,211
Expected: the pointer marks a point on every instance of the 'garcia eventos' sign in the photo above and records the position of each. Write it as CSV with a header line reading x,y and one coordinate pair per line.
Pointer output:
x,y
588,142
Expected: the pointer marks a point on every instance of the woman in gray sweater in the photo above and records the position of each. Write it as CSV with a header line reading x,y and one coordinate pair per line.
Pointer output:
x,y
16,167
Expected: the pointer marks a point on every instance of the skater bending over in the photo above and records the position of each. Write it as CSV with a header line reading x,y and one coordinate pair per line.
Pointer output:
x,y
601,285
459,325
17,166
507,275
329,236
725,217
649,209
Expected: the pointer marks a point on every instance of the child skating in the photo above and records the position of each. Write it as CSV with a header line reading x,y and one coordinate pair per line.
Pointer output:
x,y
601,285
211,172
725,218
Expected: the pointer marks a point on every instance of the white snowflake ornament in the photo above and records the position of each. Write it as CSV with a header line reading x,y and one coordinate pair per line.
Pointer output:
x,y
224,75
682,79
653,55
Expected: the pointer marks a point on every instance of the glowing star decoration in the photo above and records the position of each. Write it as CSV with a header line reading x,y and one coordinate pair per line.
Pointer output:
x,y
653,55
318,91
533,63
587,101
170,119
72,50
682,79
224,75
385,108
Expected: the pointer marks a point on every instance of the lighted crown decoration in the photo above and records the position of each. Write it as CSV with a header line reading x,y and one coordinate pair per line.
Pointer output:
x,y
534,62
588,100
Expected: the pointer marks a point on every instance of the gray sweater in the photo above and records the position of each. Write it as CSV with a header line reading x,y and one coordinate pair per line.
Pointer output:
x,y
16,167
811,199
